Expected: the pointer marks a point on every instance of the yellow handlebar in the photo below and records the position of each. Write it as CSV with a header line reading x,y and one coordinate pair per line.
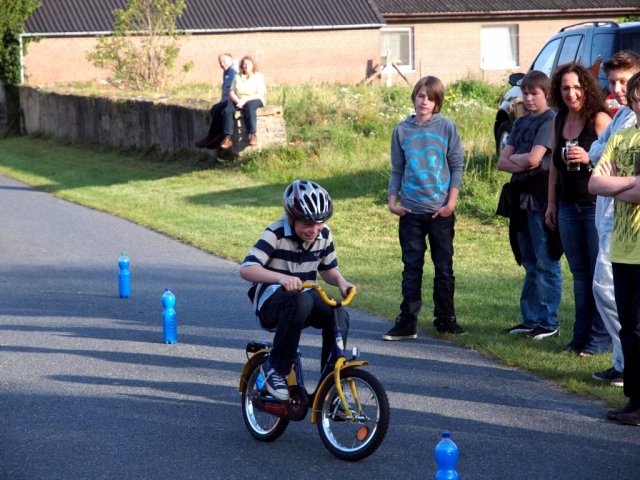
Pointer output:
x,y
325,297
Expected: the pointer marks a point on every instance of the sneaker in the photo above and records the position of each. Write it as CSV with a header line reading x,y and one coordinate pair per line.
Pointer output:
x,y
630,407
539,333
253,140
631,418
609,375
520,328
450,325
276,384
227,142
400,331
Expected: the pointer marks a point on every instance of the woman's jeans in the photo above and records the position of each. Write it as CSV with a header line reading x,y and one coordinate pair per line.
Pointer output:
x,y
413,231
576,222
248,112
542,287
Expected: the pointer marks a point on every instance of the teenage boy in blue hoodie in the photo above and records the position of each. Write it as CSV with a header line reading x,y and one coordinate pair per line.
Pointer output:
x,y
426,170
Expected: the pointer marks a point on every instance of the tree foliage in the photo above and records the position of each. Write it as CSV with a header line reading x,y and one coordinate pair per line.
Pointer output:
x,y
13,15
142,50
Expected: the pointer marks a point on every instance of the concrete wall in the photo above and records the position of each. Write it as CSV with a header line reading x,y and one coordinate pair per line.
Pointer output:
x,y
133,123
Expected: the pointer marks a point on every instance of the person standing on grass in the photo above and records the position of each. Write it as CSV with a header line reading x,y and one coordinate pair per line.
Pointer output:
x,y
229,69
617,175
426,166
581,116
527,157
619,69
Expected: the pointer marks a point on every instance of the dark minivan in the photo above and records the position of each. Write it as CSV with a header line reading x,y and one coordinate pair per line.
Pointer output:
x,y
589,43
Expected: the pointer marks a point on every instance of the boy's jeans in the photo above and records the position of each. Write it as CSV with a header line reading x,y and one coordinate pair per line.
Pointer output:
x,y
413,230
542,286
626,278
603,290
580,242
289,313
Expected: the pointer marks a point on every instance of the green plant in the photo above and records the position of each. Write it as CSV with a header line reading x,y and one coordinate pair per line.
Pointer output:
x,y
142,50
13,15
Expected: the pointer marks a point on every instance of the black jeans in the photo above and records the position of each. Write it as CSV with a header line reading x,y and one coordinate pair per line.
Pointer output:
x,y
626,285
215,127
414,229
289,313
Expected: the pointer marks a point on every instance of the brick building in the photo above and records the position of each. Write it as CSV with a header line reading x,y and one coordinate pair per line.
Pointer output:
x,y
316,41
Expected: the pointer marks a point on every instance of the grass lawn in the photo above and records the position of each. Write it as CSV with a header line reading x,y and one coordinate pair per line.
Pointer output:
x,y
223,210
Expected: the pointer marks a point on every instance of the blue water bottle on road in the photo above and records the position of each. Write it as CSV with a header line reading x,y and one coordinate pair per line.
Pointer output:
x,y
124,277
169,323
446,458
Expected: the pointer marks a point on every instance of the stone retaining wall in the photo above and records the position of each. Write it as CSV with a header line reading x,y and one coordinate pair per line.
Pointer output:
x,y
135,123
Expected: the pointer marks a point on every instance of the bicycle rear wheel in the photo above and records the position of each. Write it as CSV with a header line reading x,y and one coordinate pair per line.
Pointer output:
x,y
261,425
353,439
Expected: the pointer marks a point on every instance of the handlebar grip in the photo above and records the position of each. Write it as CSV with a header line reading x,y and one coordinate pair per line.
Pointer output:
x,y
330,301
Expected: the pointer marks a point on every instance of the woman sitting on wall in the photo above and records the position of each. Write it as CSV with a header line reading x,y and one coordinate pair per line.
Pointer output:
x,y
247,95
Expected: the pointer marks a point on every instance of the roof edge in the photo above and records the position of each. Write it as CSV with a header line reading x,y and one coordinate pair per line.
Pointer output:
x,y
507,14
358,26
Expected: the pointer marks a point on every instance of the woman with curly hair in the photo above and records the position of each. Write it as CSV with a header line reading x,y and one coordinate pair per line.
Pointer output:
x,y
581,117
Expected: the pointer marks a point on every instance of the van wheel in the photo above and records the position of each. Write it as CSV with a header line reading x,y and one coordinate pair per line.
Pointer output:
x,y
502,136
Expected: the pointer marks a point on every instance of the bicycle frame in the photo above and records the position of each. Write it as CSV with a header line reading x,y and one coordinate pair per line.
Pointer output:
x,y
336,362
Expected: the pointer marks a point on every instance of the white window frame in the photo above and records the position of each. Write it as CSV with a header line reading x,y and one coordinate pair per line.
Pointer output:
x,y
499,47
410,67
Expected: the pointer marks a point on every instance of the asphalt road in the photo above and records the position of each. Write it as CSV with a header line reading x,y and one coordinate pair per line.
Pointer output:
x,y
89,391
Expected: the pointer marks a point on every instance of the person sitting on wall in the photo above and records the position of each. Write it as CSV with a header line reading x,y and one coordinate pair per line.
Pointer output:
x,y
246,95
229,68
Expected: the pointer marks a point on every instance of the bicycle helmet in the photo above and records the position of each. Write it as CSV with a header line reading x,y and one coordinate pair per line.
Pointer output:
x,y
307,201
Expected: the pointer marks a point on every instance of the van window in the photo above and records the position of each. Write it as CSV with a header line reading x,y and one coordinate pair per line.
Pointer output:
x,y
544,61
602,47
570,49
630,40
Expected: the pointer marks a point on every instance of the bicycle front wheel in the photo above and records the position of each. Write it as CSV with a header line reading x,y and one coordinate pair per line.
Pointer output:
x,y
353,439
261,425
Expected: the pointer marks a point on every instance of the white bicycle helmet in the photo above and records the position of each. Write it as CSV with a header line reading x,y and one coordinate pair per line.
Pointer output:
x,y
307,201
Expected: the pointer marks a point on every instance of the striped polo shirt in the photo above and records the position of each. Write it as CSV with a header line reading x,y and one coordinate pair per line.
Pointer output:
x,y
279,249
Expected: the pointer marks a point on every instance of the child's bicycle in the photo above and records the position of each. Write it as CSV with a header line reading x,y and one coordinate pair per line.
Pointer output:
x,y
349,405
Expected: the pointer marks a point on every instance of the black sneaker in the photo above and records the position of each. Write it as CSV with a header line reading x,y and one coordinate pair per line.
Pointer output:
x,y
539,333
275,383
631,418
520,328
450,325
630,407
400,331
610,375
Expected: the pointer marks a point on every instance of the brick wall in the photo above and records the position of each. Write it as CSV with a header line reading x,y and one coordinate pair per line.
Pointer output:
x,y
449,50
339,56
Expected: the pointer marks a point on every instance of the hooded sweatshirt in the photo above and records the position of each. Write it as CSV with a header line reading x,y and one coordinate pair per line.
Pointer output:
x,y
426,162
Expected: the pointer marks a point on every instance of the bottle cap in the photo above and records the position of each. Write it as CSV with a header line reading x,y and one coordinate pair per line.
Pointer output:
x,y
446,434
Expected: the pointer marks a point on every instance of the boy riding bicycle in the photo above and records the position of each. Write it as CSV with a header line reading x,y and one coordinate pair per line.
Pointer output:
x,y
290,251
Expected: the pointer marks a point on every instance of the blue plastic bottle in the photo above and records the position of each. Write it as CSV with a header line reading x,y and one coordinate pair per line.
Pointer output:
x,y
446,457
169,323
124,277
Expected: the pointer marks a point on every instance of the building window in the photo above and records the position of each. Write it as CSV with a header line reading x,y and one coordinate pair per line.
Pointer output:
x,y
397,45
499,47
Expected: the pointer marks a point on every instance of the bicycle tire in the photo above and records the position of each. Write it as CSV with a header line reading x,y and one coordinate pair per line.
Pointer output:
x,y
261,425
347,439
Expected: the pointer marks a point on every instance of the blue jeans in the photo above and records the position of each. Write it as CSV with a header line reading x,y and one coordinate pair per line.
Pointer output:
x,y
579,237
413,231
248,112
542,287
